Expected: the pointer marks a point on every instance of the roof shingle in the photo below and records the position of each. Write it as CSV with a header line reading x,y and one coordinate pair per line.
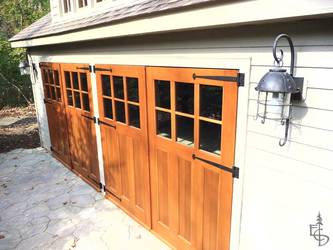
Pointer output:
x,y
45,27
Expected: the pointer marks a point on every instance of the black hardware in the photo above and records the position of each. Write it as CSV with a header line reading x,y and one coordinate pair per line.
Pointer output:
x,y
279,60
46,101
85,68
299,84
234,170
110,192
239,79
94,69
101,186
90,118
51,148
99,122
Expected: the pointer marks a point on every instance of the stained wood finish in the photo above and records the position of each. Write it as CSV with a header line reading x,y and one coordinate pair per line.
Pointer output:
x,y
124,138
56,113
191,200
81,127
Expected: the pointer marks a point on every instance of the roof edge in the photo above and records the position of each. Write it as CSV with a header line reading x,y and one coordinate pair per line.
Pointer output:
x,y
205,17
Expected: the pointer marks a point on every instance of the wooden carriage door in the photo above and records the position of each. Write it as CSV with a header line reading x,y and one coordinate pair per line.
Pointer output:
x,y
123,123
81,125
56,113
192,125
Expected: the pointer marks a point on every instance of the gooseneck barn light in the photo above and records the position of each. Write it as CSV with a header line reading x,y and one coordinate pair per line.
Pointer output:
x,y
277,89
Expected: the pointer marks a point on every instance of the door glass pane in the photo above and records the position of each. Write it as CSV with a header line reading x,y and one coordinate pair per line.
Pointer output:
x,y
134,115
108,108
70,97
48,91
67,79
53,95
45,75
118,86
58,94
211,101
75,80
51,77
163,124
56,77
132,89
84,82
120,112
210,137
185,131
185,97
85,100
162,94
106,85
77,99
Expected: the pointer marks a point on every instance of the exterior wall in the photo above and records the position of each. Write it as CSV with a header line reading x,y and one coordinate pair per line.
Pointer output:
x,y
281,189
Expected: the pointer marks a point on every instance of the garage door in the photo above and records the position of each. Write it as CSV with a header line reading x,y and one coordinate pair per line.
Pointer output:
x,y
123,123
192,121
81,126
55,109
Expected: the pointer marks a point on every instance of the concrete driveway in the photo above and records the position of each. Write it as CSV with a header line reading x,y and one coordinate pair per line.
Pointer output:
x,y
45,206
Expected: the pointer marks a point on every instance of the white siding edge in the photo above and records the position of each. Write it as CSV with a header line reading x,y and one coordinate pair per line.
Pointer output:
x,y
231,14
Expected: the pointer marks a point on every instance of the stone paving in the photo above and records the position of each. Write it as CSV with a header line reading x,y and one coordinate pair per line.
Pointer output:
x,y
43,205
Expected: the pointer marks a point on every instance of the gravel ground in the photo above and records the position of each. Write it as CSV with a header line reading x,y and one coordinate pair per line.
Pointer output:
x,y
22,132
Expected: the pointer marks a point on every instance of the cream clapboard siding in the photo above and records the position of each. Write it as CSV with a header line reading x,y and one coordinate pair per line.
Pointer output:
x,y
284,188
55,10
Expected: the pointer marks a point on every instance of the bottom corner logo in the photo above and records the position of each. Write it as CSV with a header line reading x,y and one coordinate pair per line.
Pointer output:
x,y
316,232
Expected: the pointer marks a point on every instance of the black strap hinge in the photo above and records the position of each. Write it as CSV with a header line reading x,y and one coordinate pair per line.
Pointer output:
x,y
84,68
99,122
239,79
94,69
91,118
234,170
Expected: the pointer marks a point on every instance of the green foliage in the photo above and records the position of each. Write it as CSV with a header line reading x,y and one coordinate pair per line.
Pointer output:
x,y
16,15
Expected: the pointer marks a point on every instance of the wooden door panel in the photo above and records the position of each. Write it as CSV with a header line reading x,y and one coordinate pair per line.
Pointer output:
x,y
125,149
81,126
111,159
56,113
191,197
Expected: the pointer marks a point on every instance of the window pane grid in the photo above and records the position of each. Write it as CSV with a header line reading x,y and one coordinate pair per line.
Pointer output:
x,y
210,120
184,114
51,84
190,114
163,109
119,99
133,103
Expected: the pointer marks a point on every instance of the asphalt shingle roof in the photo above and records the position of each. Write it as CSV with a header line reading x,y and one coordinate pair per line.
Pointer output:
x,y
45,27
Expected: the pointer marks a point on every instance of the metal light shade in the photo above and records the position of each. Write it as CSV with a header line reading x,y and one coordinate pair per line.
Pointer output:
x,y
275,89
24,68
277,81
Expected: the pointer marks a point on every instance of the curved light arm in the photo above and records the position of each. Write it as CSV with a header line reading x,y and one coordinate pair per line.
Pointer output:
x,y
283,141
292,51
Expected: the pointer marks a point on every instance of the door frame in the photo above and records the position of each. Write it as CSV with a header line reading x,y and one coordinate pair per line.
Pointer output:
x,y
196,60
